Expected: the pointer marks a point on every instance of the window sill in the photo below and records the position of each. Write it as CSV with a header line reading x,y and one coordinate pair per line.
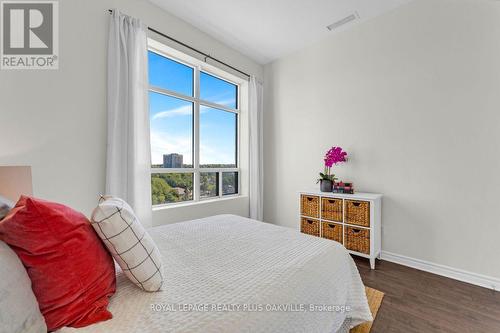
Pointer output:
x,y
197,203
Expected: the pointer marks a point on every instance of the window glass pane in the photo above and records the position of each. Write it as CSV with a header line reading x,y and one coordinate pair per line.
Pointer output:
x,y
229,183
171,187
215,90
169,74
217,138
209,184
171,122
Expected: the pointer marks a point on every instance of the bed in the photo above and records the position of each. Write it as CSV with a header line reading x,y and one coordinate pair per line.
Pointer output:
x,y
231,274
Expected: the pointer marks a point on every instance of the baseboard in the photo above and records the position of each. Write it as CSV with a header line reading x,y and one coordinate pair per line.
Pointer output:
x,y
450,272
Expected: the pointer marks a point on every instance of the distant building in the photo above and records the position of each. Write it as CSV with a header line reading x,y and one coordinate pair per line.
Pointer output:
x,y
172,161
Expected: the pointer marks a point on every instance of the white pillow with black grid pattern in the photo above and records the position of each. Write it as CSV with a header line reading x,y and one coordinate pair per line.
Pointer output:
x,y
129,243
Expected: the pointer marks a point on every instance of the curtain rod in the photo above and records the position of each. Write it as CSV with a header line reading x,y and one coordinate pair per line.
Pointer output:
x,y
207,56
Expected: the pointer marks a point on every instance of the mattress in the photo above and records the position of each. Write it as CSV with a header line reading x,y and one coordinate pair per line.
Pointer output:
x,y
231,274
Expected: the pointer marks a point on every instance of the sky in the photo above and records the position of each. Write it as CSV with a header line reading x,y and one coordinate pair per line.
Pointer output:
x,y
172,118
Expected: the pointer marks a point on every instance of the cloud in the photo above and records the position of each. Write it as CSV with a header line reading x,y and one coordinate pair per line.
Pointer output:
x,y
161,143
211,155
185,110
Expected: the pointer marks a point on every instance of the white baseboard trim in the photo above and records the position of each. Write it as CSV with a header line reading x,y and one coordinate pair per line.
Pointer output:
x,y
450,272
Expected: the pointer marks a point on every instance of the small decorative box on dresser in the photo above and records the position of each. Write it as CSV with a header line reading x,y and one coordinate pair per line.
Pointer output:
x,y
353,220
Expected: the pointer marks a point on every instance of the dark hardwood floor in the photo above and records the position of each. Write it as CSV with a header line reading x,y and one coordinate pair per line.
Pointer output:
x,y
422,302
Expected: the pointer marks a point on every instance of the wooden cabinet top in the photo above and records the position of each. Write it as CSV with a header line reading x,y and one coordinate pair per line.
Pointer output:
x,y
355,196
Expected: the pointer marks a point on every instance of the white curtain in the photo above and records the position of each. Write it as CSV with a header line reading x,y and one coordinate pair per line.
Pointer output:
x,y
255,114
128,150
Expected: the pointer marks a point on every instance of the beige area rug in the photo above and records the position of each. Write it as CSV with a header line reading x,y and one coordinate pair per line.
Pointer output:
x,y
374,301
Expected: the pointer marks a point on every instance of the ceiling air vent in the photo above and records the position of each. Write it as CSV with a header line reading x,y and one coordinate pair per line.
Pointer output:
x,y
345,20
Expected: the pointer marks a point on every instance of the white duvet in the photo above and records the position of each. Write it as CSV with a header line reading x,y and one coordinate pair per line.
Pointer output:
x,y
231,274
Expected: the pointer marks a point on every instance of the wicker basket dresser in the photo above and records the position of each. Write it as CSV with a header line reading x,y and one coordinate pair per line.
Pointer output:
x,y
353,220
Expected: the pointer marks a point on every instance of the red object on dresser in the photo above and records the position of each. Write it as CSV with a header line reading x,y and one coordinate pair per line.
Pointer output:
x,y
72,273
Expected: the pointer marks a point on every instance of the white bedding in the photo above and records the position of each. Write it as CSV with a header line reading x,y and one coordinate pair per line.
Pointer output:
x,y
228,261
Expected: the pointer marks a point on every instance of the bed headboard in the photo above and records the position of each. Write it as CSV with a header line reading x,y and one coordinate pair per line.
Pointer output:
x,y
14,181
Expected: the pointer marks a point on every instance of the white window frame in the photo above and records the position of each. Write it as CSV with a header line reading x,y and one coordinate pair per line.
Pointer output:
x,y
198,66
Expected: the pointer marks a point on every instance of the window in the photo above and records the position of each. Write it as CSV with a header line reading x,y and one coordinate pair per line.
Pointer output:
x,y
217,137
194,120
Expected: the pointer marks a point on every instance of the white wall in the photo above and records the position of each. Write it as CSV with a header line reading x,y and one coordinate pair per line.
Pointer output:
x,y
414,97
55,121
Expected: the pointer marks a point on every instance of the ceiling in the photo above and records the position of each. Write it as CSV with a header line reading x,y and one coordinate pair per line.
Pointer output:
x,y
266,30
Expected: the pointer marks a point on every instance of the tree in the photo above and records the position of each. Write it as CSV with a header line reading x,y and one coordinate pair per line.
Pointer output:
x,y
161,191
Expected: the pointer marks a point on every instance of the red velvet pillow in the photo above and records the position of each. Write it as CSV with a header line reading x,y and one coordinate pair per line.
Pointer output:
x,y
72,273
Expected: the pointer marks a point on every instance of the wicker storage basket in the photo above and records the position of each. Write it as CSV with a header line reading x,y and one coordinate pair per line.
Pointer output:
x,y
357,239
309,226
331,209
332,231
309,205
357,212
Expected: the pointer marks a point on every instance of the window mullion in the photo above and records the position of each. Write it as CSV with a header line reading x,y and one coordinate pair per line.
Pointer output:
x,y
219,107
220,184
196,134
171,93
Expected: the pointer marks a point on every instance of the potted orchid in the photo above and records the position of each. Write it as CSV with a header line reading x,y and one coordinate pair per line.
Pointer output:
x,y
333,156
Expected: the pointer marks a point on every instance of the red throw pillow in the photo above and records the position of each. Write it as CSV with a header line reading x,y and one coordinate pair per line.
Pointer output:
x,y
72,273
